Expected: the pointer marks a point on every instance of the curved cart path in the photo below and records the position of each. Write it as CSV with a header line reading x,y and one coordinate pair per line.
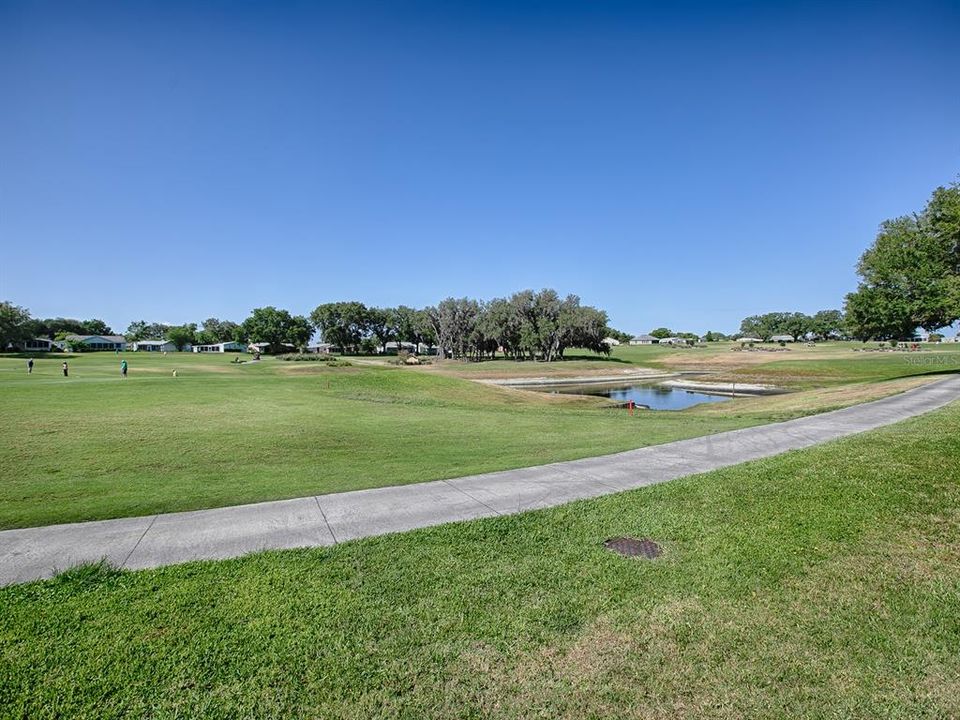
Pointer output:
x,y
155,540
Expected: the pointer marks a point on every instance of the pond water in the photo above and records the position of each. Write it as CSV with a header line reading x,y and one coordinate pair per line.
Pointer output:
x,y
655,397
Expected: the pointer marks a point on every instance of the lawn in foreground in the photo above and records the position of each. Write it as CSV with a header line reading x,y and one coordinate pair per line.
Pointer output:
x,y
93,446
820,583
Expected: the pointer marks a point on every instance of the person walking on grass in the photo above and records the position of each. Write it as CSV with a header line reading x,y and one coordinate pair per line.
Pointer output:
x,y
66,370
30,366
123,369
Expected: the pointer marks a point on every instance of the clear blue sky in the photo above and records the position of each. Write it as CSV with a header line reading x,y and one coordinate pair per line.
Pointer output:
x,y
680,164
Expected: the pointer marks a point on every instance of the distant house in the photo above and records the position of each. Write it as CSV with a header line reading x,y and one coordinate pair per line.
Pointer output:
x,y
749,340
781,338
264,347
223,347
673,341
153,346
36,345
393,347
321,348
644,340
100,342
610,342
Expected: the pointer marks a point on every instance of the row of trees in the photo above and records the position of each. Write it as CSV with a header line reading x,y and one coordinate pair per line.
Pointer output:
x,y
910,276
16,326
265,325
527,324
824,325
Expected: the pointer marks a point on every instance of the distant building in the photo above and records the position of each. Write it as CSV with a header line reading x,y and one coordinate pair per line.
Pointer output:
x,y
611,342
223,347
781,338
35,345
321,349
673,341
644,340
264,347
153,346
749,340
100,342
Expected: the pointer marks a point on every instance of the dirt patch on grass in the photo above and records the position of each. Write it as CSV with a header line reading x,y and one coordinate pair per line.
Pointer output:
x,y
819,400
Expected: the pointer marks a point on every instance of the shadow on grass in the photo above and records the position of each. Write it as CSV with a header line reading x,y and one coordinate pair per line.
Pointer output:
x,y
38,355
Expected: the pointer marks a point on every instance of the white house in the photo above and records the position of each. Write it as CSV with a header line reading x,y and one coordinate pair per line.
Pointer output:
x,y
223,347
610,342
644,340
781,338
100,342
37,345
673,341
153,346
749,340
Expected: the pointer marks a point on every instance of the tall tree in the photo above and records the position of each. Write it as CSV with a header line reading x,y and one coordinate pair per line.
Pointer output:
x,y
910,276
383,324
182,335
276,327
827,324
214,330
15,324
343,324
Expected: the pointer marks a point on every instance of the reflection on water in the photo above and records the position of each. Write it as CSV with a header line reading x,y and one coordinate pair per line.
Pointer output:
x,y
655,397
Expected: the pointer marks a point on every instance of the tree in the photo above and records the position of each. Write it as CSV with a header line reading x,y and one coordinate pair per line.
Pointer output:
x,y
95,327
827,324
136,331
15,325
342,324
217,331
142,330
276,327
661,332
910,276
182,335
383,324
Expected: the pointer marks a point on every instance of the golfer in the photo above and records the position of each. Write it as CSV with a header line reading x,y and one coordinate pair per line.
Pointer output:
x,y
66,370
123,368
30,366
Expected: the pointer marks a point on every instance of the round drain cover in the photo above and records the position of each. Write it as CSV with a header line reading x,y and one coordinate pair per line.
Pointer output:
x,y
632,547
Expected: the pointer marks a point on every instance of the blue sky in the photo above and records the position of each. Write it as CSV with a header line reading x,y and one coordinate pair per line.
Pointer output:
x,y
682,164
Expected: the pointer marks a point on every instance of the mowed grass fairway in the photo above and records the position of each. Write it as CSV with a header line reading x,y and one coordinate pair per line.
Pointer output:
x,y
820,583
94,446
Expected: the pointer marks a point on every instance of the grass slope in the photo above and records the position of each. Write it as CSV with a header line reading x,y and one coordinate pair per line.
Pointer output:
x,y
820,583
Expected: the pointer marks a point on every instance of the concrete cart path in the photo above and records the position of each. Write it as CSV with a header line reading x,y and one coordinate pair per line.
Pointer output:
x,y
155,540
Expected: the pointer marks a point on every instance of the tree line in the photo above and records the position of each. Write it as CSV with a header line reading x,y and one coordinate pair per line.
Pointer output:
x,y
527,325
824,325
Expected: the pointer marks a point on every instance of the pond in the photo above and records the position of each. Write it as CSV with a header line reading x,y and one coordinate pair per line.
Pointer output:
x,y
655,397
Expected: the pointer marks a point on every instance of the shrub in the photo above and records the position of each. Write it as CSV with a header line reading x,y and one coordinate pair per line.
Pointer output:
x,y
330,360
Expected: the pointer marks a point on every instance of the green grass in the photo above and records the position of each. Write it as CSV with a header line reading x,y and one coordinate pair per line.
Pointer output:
x,y
93,446
820,583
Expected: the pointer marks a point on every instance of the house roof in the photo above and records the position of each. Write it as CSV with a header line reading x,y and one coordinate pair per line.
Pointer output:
x,y
152,342
108,338
644,337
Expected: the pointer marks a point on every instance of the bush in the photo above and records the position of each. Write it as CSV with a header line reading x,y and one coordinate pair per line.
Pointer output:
x,y
314,357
